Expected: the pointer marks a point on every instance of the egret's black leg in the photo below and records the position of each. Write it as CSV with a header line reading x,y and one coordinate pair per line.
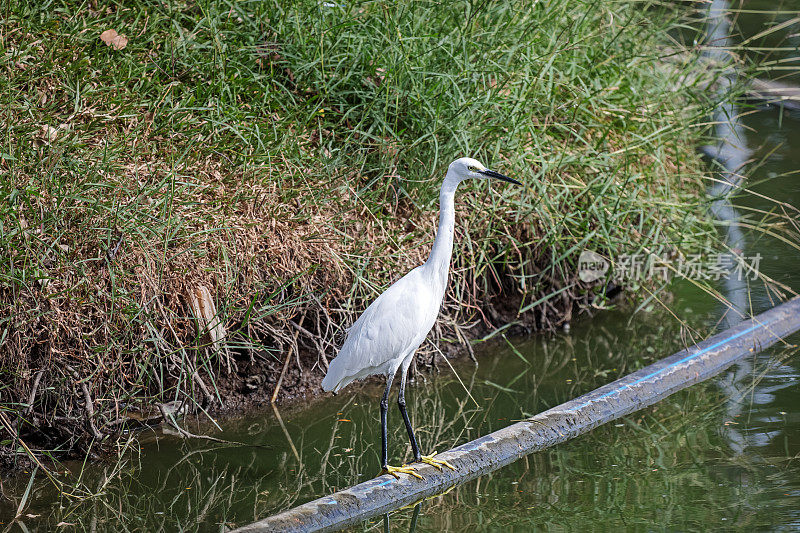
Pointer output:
x,y
401,403
386,469
418,457
384,410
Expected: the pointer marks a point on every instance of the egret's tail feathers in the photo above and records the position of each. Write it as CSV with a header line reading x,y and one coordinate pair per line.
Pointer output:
x,y
329,383
332,385
343,370
335,379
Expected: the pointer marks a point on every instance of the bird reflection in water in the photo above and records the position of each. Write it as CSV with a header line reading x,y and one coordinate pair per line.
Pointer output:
x,y
412,528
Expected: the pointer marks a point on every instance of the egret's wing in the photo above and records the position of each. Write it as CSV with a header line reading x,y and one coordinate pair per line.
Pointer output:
x,y
392,325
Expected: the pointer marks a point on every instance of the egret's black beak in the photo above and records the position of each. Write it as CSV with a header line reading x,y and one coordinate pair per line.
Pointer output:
x,y
493,174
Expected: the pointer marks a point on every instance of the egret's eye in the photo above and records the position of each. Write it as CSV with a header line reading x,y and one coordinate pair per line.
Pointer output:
x,y
472,169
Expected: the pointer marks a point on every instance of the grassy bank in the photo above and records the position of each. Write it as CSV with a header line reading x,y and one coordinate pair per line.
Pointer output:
x,y
190,210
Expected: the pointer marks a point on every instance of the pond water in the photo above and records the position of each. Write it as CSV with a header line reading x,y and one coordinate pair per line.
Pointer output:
x,y
722,454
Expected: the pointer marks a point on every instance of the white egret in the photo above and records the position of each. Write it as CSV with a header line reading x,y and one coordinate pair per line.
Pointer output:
x,y
386,336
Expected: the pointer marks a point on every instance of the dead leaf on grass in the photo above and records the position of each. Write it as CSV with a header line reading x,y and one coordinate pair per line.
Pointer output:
x,y
49,133
112,38
202,306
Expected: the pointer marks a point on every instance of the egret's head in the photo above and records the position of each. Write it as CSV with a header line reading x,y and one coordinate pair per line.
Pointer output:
x,y
466,168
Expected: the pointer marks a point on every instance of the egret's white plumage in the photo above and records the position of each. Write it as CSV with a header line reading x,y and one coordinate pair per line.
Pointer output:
x,y
388,332
386,336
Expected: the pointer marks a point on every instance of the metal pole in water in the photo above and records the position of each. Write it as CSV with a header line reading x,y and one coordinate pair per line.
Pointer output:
x,y
563,422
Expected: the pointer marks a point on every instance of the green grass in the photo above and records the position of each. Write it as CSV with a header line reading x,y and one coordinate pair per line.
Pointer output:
x,y
287,157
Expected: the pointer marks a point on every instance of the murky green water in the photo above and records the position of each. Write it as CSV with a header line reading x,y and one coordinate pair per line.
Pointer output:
x,y
724,454
697,459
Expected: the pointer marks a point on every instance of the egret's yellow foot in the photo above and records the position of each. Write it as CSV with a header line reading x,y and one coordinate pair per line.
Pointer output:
x,y
395,470
438,463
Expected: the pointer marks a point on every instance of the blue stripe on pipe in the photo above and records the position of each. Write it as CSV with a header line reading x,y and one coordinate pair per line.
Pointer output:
x,y
687,358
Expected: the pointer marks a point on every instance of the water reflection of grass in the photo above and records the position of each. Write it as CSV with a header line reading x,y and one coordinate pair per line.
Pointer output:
x,y
663,465
669,467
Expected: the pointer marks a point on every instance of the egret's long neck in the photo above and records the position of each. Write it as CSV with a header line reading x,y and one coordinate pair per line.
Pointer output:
x,y
438,264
